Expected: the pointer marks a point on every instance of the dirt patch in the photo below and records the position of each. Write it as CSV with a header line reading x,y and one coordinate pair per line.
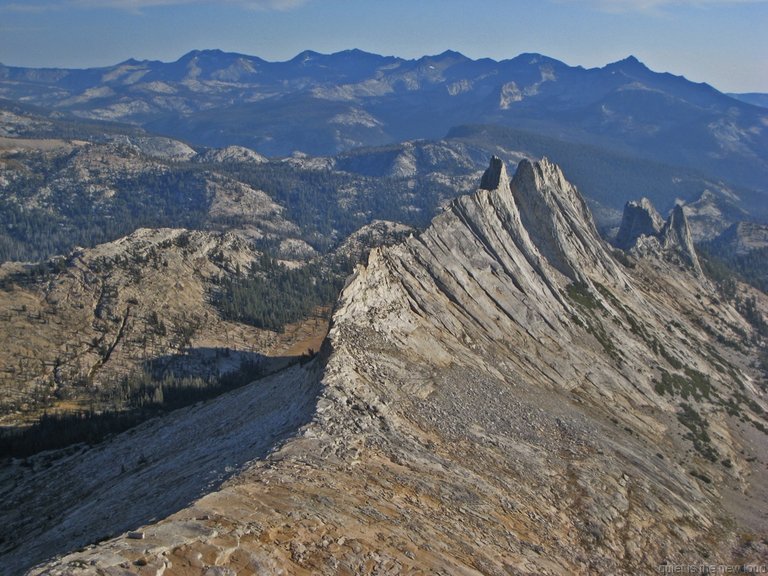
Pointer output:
x,y
304,337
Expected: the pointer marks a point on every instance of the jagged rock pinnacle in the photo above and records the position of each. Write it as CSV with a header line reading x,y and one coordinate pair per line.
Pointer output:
x,y
495,175
676,236
643,232
557,220
640,219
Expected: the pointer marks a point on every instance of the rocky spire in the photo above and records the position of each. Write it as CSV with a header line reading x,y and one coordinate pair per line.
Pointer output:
x,y
557,219
643,232
495,176
676,238
640,219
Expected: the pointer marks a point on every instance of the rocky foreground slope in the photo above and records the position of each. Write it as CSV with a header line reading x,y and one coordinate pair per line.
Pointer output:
x,y
500,394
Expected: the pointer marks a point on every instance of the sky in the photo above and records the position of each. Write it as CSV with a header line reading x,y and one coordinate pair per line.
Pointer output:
x,y
721,42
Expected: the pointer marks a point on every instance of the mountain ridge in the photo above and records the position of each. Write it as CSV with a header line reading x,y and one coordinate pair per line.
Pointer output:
x,y
492,400
301,55
335,102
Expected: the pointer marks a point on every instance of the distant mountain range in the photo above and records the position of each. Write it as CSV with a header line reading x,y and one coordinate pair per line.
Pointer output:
x,y
323,104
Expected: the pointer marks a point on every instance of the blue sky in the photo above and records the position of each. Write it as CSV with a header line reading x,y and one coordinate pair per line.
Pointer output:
x,y
722,42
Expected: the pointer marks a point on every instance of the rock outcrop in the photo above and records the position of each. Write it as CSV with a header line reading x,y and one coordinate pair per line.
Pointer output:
x,y
159,147
713,212
643,231
640,219
497,395
676,239
377,233
232,154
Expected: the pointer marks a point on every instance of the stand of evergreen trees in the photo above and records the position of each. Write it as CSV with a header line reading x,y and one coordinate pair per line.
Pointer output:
x,y
725,267
331,204
327,205
176,199
272,295
722,264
